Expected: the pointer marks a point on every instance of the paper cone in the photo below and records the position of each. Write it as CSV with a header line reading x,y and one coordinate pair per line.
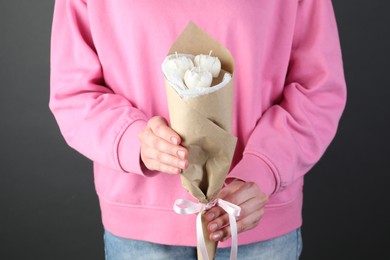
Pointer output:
x,y
211,246
204,123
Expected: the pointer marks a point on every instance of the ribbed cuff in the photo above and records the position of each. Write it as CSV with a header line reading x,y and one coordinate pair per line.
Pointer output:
x,y
252,168
129,148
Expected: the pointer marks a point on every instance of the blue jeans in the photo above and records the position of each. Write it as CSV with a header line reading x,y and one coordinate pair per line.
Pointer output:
x,y
286,247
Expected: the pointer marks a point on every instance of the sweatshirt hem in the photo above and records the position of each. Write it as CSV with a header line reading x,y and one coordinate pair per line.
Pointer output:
x,y
140,223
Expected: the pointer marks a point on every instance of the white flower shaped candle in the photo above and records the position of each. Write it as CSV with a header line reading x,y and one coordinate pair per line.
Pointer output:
x,y
208,62
178,65
197,78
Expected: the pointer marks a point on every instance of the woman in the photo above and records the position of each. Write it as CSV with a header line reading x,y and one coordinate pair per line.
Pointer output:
x,y
108,96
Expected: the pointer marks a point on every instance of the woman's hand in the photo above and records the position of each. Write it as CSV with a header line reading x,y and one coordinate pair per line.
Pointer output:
x,y
160,147
246,195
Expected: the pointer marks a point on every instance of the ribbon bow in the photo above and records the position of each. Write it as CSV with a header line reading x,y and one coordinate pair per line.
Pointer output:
x,y
182,206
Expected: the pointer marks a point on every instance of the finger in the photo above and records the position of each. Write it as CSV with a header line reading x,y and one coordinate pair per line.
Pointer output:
x,y
226,193
218,223
242,192
164,158
221,218
230,188
214,213
250,207
216,227
244,224
159,127
155,165
149,139
249,217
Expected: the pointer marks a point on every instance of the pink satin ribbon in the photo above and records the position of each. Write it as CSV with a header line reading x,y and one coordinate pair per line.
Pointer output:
x,y
182,206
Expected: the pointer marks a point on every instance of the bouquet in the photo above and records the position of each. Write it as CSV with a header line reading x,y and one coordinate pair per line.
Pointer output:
x,y
199,85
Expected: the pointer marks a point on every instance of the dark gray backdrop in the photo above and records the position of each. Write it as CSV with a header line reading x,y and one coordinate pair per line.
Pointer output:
x,y
48,206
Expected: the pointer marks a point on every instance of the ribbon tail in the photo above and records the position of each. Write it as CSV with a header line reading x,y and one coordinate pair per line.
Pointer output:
x,y
233,211
233,230
200,236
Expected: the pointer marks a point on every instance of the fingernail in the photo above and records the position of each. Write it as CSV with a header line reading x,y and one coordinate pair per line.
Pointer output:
x,y
210,216
217,236
213,227
181,154
174,140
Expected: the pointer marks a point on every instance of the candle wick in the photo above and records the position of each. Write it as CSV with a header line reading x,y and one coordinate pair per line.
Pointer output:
x,y
210,52
176,54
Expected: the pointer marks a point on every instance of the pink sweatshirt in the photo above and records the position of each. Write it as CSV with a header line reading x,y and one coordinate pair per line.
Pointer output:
x,y
106,82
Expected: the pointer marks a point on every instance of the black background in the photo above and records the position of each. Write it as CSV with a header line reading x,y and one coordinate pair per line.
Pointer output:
x,y
48,205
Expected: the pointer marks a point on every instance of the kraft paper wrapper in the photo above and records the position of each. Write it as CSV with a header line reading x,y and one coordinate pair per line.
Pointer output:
x,y
204,123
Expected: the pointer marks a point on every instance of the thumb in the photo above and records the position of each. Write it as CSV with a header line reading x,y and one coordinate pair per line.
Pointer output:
x,y
159,127
230,188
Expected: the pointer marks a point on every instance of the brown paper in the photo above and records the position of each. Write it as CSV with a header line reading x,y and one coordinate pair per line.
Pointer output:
x,y
204,123
211,246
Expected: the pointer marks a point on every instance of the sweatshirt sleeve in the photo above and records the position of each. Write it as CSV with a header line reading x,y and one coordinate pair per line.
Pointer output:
x,y
292,135
92,118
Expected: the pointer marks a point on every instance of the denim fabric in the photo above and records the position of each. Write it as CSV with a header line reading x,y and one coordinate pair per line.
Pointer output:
x,y
286,247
